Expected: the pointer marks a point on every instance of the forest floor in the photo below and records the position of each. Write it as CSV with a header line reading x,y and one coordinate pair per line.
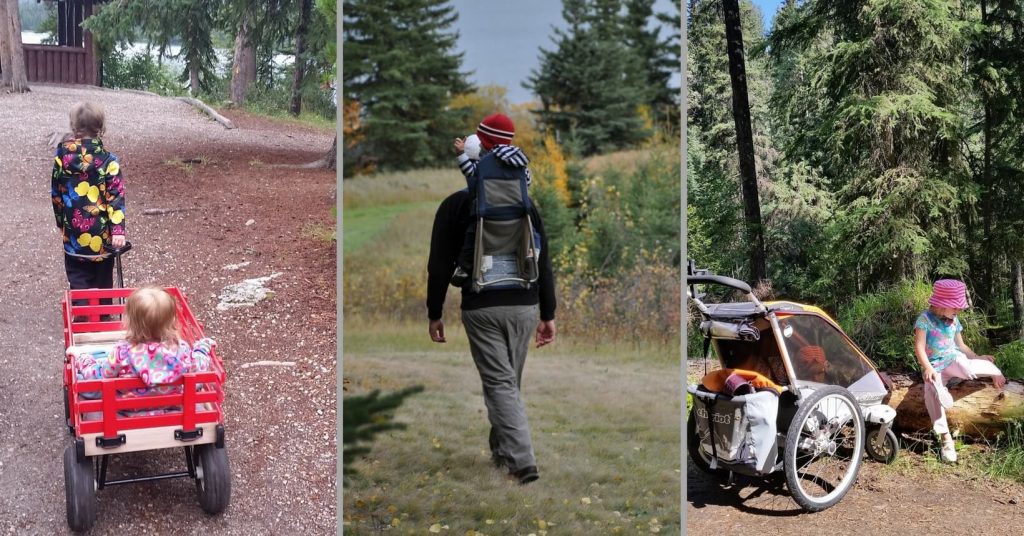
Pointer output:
x,y
229,217
916,494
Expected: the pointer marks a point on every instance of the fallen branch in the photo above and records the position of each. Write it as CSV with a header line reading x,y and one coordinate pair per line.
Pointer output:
x,y
209,111
159,211
269,364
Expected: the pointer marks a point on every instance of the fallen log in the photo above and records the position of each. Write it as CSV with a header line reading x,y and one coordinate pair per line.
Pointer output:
x,y
979,410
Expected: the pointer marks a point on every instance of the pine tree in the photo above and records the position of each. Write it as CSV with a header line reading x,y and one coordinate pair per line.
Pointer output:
x,y
880,96
659,57
365,416
714,191
591,86
401,68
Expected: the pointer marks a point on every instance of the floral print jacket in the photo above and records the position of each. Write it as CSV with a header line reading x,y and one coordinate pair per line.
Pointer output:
x,y
88,197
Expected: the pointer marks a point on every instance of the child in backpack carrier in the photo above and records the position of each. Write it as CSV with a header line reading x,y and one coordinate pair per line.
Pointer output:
x,y
152,350
501,255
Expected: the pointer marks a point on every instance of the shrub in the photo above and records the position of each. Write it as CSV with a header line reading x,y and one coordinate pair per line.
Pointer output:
x,y
882,324
1010,359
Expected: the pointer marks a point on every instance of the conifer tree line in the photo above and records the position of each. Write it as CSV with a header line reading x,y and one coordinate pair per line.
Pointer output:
x,y
888,139
605,83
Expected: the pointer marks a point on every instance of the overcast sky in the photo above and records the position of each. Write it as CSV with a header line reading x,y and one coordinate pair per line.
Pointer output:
x,y
502,40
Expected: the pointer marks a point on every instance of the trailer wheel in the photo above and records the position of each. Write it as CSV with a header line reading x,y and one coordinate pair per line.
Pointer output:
x,y
213,478
881,448
80,491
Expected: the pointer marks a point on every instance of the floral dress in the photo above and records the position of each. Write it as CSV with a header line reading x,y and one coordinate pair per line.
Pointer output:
x,y
940,339
87,191
156,364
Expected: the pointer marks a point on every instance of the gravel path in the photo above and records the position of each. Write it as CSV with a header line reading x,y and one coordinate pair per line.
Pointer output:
x,y
280,420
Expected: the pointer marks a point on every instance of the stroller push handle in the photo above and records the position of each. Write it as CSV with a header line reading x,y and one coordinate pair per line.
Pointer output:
x,y
724,281
719,280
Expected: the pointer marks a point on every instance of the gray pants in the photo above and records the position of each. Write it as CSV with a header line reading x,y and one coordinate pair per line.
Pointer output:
x,y
498,339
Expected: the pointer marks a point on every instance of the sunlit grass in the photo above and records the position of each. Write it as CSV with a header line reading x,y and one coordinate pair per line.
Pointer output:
x,y
606,437
402,187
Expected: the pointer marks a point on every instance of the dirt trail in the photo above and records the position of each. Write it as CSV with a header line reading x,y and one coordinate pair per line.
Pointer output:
x,y
915,495
280,420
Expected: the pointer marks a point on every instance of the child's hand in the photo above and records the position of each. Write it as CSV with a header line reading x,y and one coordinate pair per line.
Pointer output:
x,y
988,358
117,241
460,145
998,382
930,374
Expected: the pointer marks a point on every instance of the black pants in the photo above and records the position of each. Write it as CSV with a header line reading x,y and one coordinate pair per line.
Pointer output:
x,y
84,273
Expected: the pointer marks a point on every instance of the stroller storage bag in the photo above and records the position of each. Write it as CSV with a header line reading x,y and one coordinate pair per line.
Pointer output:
x,y
737,431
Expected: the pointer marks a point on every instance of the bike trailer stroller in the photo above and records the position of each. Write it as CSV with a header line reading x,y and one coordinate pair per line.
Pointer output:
x,y
793,394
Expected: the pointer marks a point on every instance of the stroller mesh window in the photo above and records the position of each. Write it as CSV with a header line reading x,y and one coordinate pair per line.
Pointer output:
x,y
762,356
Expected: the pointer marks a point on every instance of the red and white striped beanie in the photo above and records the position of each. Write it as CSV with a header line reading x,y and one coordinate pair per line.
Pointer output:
x,y
495,129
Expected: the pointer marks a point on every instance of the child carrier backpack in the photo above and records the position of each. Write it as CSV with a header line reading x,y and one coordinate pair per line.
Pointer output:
x,y
501,247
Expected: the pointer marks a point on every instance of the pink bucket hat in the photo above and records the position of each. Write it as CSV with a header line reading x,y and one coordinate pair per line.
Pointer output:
x,y
949,293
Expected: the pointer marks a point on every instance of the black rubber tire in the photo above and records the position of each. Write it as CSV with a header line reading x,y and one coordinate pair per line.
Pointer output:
x,y
794,436
80,491
694,451
883,451
213,478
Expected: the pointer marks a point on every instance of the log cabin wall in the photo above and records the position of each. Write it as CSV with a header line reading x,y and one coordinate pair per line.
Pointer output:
x,y
73,59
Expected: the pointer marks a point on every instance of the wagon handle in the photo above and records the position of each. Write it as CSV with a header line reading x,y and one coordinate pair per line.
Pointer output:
x,y
117,252
724,281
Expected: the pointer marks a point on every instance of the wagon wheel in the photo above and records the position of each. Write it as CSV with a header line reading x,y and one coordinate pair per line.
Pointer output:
x,y
824,446
213,478
700,458
79,490
881,448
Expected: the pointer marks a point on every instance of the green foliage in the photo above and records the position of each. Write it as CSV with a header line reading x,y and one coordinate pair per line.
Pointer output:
x,y
882,324
593,84
122,70
34,15
365,416
400,66
713,186
1008,459
628,217
1010,359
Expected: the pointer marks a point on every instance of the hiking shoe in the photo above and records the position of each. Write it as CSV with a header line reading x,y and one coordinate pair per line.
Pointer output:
x,y
526,474
948,452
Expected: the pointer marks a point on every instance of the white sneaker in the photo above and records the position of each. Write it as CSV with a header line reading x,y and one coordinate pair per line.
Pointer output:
x,y
948,451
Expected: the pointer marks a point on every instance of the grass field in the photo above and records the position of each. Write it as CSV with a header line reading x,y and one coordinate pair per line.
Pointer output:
x,y
606,436
604,416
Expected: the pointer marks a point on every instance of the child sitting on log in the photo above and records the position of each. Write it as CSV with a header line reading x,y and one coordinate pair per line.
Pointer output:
x,y
943,355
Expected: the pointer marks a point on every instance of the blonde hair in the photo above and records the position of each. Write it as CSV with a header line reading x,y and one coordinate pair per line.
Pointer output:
x,y
87,119
151,315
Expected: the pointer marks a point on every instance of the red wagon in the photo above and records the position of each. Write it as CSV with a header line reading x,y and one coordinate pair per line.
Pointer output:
x,y
96,410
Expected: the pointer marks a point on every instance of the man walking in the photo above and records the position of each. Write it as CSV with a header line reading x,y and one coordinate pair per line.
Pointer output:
x,y
499,322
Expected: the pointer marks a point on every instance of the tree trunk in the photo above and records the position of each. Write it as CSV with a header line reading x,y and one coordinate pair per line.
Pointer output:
x,y
1018,298
300,57
193,80
243,72
5,48
979,411
332,155
744,140
14,55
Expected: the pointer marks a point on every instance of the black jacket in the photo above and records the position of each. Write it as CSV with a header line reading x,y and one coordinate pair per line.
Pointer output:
x,y
452,220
